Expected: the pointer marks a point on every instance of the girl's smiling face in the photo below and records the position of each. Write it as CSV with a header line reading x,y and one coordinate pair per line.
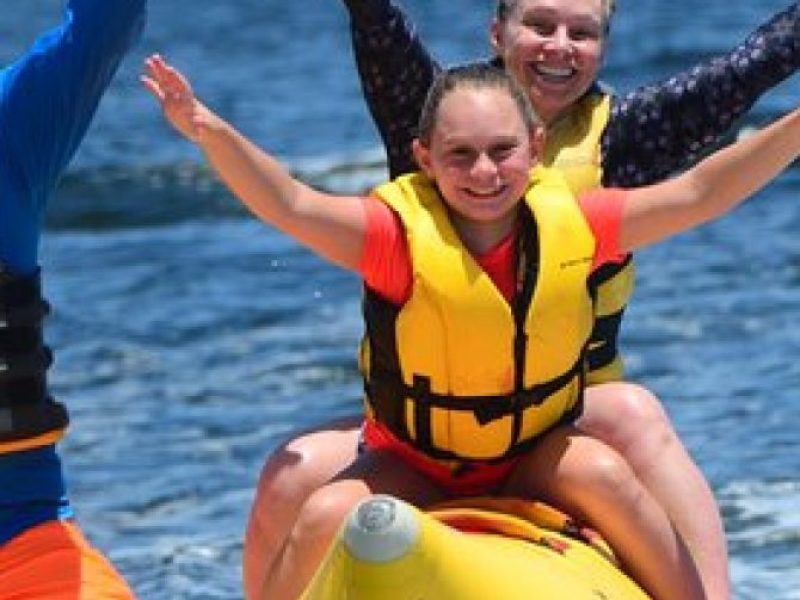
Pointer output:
x,y
479,152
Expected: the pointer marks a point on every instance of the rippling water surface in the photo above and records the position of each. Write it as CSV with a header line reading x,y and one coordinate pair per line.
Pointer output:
x,y
190,339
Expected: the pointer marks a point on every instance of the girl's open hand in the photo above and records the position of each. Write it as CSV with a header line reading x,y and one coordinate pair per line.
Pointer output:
x,y
174,93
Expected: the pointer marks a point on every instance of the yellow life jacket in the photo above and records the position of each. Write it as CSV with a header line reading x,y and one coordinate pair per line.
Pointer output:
x,y
456,370
573,146
572,143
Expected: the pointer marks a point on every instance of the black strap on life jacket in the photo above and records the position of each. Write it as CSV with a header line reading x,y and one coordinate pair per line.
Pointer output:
x,y
528,252
485,409
603,344
386,391
603,348
26,409
387,395
608,271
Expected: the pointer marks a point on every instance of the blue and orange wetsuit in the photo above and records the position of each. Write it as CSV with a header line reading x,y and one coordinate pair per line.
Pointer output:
x,y
48,97
651,132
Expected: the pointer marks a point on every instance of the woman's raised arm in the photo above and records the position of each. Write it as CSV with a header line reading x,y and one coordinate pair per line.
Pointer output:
x,y
713,187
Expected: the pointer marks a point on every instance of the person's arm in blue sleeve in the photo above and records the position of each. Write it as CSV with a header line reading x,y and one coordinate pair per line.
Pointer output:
x,y
396,71
47,100
658,129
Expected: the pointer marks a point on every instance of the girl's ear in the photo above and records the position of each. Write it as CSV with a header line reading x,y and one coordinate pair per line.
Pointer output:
x,y
537,137
496,37
423,156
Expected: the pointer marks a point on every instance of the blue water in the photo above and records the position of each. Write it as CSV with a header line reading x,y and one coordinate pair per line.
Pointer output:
x,y
190,339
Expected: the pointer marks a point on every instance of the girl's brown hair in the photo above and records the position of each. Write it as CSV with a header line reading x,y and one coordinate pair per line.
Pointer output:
x,y
476,76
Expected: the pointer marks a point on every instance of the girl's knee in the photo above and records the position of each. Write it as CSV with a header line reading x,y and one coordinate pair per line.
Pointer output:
x,y
593,468
282,486
326,509
567,467
607,471
639,406
305,463
623,415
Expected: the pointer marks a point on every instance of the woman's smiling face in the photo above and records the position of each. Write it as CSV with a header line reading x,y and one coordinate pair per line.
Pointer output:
x,y
553,48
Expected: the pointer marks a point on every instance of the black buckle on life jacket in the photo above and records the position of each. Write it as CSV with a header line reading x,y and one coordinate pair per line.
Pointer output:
x,y
602,348
496,408
386,393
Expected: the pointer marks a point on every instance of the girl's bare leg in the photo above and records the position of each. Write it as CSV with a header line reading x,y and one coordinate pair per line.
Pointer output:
x,y
624,416
290,475
631,420
592,482
325,510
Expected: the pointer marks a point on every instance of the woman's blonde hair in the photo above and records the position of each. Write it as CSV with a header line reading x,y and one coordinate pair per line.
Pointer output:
x,y
504,8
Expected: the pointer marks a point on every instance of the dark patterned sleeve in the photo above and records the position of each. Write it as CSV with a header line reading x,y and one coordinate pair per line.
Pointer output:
x,y
396,71
658,129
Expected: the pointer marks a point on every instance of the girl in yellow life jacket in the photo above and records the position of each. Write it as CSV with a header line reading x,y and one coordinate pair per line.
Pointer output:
x,y
478,243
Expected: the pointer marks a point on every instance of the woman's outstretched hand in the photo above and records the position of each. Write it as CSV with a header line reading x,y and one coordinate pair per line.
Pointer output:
x,y
174,93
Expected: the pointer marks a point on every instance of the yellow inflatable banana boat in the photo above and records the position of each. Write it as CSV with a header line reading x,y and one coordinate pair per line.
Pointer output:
x,y
476,549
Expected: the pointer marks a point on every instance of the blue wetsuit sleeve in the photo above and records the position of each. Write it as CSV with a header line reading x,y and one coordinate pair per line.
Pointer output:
x,y
396,71
658,129
47,100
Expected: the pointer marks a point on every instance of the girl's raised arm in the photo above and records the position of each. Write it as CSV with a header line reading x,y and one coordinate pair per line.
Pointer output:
x,y
332,226
713,187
